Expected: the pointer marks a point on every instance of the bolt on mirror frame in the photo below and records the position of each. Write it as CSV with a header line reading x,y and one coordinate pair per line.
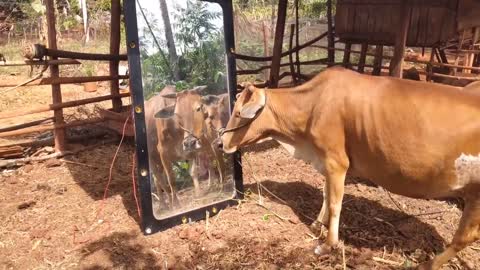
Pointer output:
x,y
149,224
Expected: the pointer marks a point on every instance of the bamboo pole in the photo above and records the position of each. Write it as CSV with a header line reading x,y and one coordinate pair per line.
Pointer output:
x,y
57,106
115,50
278,43
265,47
290,44
396,65
331,37
42,63
269,58
377,62
49,141
363,58
70,80
25,125
297,37
59,132
51,127
41,51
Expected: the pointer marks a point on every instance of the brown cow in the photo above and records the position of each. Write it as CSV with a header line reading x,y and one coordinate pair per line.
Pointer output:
x,y
153,105
184,132
416,139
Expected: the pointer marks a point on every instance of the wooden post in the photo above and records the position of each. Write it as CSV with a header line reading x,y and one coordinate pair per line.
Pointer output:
x,y
346,54
59,131
115,50
377,62
396,65
265,47
331,41
277,46
363,58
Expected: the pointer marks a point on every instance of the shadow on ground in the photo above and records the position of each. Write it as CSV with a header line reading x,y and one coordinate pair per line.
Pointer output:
x,y
364,223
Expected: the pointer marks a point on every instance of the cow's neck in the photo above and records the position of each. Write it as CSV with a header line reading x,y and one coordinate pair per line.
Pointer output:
x,y
288,112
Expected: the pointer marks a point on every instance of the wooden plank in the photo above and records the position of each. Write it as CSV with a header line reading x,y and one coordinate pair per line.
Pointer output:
x,y
11,151
59,132
278,42
115,50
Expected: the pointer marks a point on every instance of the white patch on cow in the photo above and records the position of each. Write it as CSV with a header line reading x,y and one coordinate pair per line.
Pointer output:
x,y
305,152
467,169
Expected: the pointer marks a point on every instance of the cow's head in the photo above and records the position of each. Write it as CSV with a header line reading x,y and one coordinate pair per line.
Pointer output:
x,y
216,113
188,112
244,126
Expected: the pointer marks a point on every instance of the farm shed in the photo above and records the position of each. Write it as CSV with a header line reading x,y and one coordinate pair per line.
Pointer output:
x,y
449,29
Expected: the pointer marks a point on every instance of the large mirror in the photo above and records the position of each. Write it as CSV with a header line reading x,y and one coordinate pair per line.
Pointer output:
x,y
183,65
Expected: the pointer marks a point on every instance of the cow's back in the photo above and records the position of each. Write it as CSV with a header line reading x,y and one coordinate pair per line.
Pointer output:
x,y
402,133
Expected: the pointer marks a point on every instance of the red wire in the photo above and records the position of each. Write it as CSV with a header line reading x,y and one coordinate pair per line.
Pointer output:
x,y
134,186
111,169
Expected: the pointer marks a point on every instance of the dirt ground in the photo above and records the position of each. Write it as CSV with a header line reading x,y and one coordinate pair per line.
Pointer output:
x,y
53,216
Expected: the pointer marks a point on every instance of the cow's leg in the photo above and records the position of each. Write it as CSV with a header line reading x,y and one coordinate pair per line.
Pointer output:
x,y
168,169
159,179
220,166
323,217
468,231
194,174
335,178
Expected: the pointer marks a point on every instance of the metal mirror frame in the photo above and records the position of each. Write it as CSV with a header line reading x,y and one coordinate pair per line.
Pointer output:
x,y
149,224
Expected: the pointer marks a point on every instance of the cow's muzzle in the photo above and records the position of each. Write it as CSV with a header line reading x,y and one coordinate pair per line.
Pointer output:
x,y
190,143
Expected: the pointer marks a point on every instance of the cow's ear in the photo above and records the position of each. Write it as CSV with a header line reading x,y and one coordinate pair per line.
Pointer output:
x,y
209,99
167,112
199,89
173,95
225,99
256,103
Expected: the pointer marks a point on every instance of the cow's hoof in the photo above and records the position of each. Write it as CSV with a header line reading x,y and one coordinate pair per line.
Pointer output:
x,y
425,266
317,228
323,249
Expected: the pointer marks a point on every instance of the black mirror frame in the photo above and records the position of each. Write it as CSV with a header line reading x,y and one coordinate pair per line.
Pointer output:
x,y
149,223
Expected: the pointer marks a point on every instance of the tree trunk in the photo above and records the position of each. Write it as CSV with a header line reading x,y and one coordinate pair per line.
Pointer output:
x,y
172,51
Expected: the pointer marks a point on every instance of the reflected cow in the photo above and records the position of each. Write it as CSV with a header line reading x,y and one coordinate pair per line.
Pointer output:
x,y
185,131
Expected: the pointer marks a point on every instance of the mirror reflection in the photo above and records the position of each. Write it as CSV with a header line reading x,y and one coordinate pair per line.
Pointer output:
x,y
186,103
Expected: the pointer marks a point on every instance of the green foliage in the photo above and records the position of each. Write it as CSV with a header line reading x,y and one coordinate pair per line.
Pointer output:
x,y
201,60
195,24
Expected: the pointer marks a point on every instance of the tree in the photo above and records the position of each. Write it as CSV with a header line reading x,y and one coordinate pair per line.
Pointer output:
x,y
172,51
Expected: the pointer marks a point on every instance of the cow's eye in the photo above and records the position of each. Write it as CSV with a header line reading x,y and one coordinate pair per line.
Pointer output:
x,y
198,108
237,114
